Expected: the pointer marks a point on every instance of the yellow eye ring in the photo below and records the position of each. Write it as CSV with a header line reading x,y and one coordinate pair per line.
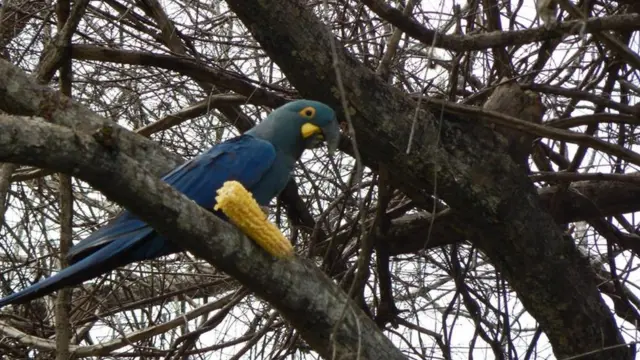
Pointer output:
x,y
309,112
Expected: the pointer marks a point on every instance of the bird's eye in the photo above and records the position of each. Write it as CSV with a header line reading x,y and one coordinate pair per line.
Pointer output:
x,y
308,112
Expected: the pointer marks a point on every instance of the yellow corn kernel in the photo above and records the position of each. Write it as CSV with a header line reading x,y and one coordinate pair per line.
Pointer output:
x,y
245,213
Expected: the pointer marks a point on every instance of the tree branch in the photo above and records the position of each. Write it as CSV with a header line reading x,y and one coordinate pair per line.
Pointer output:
x,y
181,65
626,22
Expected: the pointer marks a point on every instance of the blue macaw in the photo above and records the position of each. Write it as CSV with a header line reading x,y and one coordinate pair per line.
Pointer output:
x,y
261,159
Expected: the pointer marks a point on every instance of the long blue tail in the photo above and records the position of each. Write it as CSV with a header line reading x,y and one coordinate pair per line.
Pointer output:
x,y
115,254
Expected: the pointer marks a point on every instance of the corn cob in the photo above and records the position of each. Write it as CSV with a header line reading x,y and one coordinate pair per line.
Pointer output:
x,y
244,212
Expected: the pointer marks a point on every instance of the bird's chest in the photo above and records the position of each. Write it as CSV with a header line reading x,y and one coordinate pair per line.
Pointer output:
x,y
274,180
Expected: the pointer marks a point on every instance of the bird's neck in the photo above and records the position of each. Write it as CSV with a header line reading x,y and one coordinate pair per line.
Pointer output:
x,y
285,139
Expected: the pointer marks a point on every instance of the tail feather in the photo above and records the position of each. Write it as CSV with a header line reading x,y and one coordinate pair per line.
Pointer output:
x,y
100,262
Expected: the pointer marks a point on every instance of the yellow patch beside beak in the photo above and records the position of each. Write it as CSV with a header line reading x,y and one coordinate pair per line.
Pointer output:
x,y
308,129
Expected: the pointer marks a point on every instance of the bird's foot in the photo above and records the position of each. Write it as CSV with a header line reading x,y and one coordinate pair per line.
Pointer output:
x,y
265,210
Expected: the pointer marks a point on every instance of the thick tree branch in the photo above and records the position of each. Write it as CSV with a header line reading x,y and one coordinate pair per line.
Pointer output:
x,y
325,317
58,48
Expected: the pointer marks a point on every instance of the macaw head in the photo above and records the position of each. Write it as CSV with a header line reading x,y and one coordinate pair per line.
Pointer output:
x,y
300,125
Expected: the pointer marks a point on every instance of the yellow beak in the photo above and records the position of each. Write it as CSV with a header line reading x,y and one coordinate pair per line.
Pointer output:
x,y
309,129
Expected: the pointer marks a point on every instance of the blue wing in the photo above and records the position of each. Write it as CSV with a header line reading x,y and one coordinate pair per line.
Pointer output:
x,y
128,239
245,159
